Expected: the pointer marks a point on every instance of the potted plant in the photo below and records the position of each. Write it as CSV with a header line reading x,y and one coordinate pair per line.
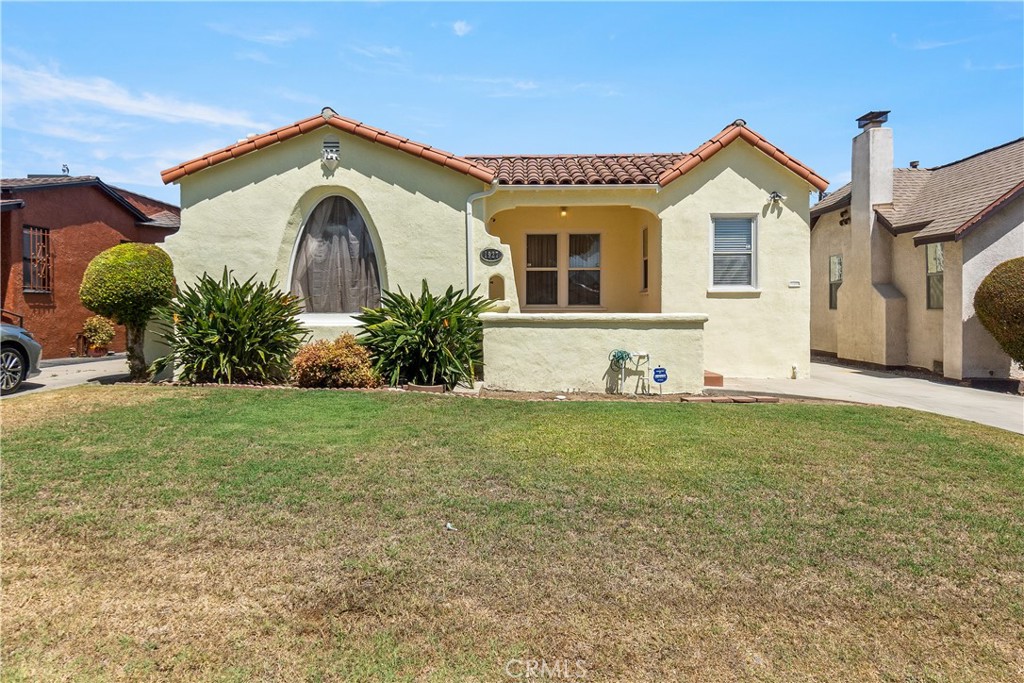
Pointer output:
x,y
431,342
98,332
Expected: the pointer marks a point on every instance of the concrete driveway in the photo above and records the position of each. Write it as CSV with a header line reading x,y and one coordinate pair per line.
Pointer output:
x,y
69,372
842,383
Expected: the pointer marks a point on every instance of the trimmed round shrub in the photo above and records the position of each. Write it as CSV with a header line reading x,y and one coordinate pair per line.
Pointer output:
x,y
999,303
98,331
225,331
339,364
125,283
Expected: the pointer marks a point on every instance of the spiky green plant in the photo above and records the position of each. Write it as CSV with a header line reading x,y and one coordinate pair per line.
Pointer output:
x,y
426,339
226,331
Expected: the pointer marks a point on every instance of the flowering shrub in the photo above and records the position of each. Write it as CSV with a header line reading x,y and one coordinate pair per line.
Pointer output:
x,y
342,363
98,331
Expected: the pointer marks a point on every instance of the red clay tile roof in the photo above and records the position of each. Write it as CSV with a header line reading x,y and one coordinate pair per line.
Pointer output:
x,y
945,202
579,169
558,169
328,117
738,130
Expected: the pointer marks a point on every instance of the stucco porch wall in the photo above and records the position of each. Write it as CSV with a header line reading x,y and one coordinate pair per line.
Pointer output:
x,y
569,351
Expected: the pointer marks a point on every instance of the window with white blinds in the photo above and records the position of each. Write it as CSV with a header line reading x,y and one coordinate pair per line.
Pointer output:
x,y
733,253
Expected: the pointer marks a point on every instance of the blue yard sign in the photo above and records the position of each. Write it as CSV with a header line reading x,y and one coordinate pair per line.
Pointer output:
x,y
660,375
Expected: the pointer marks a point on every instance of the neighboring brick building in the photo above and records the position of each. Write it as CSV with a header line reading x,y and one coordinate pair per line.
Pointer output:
x,y
52,228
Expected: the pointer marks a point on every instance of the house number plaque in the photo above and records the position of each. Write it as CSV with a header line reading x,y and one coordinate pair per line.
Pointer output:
x,y
491,257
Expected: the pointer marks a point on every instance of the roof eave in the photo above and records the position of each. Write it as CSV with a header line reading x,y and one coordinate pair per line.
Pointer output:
x,y
732,132
328,118
982,215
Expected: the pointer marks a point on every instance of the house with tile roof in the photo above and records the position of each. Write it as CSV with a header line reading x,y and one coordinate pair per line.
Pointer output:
x,y
53,226
690,260
898,253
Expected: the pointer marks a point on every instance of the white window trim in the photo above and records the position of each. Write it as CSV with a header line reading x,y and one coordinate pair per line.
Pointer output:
x,y
834,282
929,275
562,248
754,285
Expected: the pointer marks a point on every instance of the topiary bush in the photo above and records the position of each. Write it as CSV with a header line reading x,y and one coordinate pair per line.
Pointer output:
x,y
999,303
427,339
126,283
339,364
225,331
98,331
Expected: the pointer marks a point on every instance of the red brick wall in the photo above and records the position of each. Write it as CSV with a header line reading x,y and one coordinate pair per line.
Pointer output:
x,y
83,221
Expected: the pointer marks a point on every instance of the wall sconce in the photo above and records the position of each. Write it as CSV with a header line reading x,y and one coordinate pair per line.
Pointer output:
x,y
776,197
564,211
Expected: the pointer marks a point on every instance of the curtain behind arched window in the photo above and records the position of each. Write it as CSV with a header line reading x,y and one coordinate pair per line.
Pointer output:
x,y
335,267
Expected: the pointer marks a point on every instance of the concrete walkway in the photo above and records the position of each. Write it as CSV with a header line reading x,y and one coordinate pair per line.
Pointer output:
x,y
842,383
69,372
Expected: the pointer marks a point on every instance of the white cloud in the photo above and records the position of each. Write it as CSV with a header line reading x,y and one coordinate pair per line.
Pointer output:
x,y
378,51
920,44
274,36
41,85
461,28
999,66
253,56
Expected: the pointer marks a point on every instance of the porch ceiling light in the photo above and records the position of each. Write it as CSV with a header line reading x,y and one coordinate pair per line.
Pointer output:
x,y
564,211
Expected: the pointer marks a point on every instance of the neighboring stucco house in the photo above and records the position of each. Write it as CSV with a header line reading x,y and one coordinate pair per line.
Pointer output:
x,y
898,253
698,259
52,228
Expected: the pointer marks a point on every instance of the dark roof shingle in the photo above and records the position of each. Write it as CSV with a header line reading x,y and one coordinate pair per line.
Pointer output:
x,y
943,202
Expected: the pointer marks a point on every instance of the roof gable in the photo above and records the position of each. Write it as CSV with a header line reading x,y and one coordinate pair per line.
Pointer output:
x,y
557,169
737,130
328,117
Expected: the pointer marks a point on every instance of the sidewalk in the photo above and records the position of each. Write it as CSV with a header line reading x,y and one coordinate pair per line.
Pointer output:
x,y
68,372
842,383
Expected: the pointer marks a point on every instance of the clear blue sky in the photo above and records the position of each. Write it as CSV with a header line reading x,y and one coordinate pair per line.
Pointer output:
x,y
125,90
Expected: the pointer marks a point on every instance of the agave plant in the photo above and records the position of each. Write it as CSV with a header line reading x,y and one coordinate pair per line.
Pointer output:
x,y
226,331
427,339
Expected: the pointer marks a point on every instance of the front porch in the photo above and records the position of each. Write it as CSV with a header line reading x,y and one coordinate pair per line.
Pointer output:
x,y
573,258
587,283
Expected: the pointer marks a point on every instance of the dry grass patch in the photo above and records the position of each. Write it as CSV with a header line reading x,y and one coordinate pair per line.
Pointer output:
x,y
209,534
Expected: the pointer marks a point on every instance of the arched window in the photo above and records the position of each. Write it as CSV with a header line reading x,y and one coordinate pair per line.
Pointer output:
x,y
335,267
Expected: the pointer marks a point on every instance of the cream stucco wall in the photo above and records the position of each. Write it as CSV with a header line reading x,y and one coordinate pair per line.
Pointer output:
x,y
924,326
569,352
247,214
828,238
1000,238
922,337
764,332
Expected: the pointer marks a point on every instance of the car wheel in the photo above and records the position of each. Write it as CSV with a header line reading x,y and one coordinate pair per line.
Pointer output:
x,y
13,368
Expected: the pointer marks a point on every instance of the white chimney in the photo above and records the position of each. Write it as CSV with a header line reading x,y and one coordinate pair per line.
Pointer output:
x,y
872,185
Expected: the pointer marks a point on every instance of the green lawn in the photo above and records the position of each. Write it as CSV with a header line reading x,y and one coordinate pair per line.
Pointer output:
x,y
205,534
